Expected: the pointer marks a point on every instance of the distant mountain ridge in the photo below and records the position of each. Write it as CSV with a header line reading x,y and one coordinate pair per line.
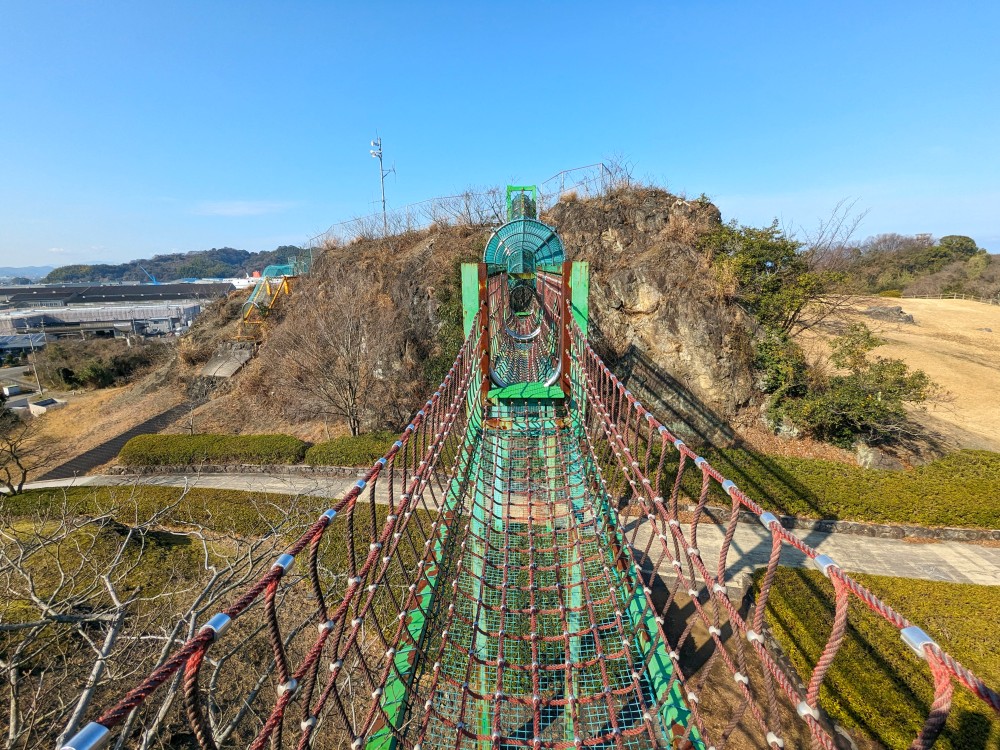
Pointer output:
x,y
25,272
221,262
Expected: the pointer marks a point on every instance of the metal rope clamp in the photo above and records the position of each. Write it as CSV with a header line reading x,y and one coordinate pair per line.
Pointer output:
x,y
218,624
824,563
917,640
91,737
767,518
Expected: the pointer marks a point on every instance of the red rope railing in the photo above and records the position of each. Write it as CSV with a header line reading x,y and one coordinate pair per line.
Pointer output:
x,y
639,444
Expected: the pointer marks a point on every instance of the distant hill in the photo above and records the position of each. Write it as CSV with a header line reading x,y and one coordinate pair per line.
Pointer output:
x,y
24,272
215,263
919,264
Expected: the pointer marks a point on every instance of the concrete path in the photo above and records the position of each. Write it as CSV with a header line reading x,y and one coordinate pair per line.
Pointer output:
x,y
956,562
273,483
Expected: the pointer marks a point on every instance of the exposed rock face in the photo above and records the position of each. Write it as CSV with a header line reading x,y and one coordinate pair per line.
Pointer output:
x,y
889,314
660,317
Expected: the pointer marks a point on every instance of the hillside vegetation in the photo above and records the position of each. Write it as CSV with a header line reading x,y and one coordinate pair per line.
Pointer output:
x,y
222,262
919,264
705,321
371,331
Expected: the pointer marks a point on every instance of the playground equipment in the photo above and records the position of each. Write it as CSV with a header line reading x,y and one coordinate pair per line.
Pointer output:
x,y
275,281
481,588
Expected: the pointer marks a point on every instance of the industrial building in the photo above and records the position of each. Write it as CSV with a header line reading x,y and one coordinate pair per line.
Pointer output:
x,y
102,310
59,295
151,319
21,344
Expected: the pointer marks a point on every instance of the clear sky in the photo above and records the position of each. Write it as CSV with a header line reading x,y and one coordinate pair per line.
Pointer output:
x,y
133,128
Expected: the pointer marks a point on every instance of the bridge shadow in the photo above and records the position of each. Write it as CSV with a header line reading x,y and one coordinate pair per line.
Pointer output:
x,y
671,401
707,431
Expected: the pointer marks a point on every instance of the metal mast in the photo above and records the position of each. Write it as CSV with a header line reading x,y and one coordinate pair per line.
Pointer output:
x,y
376,153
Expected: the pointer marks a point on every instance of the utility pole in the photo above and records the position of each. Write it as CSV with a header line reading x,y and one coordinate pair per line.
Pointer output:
x,y
376,152
34,364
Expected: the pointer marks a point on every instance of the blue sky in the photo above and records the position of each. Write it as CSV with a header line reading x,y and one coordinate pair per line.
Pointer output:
x,y
128,129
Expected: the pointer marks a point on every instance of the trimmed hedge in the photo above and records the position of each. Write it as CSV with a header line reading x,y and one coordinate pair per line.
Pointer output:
x,y
183,450
876,687
351,450
961,489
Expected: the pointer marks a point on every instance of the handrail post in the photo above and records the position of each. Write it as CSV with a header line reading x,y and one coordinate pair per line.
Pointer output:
x,y
564,330
484,339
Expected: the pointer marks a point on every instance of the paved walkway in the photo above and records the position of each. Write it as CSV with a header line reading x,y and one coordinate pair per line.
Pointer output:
x,y
956,562
274,483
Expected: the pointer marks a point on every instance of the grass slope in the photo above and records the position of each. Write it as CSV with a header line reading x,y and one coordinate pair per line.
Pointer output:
x,y
962,489
877,687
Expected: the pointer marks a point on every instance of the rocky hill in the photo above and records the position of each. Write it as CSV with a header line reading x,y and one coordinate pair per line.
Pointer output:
x,y
659,315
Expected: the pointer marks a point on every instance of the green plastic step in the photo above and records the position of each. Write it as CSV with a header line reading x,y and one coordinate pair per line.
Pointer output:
x,y
533,391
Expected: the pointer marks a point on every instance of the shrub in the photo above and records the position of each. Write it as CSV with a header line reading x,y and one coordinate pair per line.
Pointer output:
x,y
769,275
891,293
96,363
351,450
869,402
782,365
174,450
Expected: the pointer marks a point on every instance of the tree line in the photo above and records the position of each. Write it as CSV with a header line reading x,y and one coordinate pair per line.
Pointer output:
x,y
224,262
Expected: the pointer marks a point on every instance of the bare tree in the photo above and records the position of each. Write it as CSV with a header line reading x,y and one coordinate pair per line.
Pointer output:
x,y
891,242
829,252
337,356
22,452
90,603
829,247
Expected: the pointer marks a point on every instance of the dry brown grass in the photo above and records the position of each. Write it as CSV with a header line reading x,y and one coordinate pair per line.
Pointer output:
x,y
948,343
93,417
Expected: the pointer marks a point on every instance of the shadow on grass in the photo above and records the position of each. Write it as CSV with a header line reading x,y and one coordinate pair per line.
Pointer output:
x,y
871,658
707,431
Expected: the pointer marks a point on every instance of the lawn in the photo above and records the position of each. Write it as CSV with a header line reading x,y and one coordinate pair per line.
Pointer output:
x,y
877,687
962,489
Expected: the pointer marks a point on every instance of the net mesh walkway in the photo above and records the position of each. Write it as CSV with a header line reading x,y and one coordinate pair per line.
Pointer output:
x,y
546,634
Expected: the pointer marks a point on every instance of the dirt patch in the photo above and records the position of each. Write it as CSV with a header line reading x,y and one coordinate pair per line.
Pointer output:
x,y
949,341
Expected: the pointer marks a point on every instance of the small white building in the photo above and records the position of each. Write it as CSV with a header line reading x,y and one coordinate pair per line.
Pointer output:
x,y
46,404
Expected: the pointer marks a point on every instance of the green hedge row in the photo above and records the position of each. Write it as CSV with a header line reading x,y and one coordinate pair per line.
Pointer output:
x,y
173,450
876,687
351,450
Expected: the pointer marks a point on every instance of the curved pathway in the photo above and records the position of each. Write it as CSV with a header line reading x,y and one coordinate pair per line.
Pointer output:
x,y
955,562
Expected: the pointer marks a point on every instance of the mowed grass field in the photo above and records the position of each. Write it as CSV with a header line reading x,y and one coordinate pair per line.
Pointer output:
x,y
877,687
961,489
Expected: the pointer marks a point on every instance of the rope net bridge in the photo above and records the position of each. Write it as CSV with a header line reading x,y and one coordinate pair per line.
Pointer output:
x,y
498,577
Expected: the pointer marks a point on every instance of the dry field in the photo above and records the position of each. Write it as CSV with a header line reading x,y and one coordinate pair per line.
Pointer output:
x,y
92,417
949,341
